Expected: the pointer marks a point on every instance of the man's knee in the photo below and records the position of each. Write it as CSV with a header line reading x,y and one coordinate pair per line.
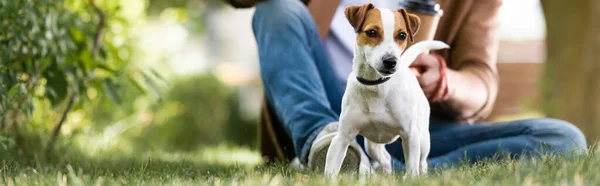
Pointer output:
x,y
558,134
284,33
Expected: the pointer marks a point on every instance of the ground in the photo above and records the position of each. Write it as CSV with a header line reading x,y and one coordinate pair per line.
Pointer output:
x,y
234,166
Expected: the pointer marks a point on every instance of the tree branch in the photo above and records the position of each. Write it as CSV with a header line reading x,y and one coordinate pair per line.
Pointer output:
x,y
99,30
58,126
95,49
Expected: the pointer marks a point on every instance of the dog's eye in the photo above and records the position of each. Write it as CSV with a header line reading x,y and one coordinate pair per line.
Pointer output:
x,y
371,33
402,36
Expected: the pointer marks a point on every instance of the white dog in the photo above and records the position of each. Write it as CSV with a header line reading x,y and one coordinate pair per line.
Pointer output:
x,y
383,99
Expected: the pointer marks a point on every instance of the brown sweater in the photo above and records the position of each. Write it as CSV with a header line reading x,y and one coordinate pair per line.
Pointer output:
x,y
470,27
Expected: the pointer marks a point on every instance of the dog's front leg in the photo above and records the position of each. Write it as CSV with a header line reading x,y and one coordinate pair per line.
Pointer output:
x,y
425,148
337,151
381,158
411,146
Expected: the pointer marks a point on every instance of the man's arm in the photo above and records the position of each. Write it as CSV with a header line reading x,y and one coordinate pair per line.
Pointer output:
x,y
467,90
473,85
322,12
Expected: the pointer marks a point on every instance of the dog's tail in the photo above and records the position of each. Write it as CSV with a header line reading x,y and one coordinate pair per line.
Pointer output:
x,y
413,51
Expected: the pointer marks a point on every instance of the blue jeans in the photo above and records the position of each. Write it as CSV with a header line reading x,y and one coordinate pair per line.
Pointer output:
x,y
301,86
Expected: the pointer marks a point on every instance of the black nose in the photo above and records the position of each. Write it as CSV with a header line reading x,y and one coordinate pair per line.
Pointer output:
x,y
389,61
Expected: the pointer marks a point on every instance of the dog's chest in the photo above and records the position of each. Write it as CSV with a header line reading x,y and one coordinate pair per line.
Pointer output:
x,y
380,127
378,124
382,114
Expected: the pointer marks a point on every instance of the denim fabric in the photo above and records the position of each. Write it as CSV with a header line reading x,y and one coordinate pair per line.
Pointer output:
x,y
302,87
294,68
453,143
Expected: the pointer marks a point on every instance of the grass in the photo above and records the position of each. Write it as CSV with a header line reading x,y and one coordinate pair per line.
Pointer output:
x,y
233,166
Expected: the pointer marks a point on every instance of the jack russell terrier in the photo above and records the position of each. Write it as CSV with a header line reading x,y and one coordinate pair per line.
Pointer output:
x,y
383,99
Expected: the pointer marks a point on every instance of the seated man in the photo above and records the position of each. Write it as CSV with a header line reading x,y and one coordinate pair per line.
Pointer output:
x,y
304,78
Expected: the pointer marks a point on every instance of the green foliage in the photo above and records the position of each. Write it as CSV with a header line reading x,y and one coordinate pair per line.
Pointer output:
x,y
44,44
157,6
47,55
35,43
191,13
53,50
198,111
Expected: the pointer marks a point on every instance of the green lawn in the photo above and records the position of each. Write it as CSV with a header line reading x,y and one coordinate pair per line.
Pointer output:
x,y
233,166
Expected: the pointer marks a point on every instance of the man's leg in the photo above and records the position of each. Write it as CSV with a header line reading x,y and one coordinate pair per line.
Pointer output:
x,y
298,81
453,143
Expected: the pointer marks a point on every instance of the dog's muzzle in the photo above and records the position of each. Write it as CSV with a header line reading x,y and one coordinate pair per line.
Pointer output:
x,y
389,64
389,61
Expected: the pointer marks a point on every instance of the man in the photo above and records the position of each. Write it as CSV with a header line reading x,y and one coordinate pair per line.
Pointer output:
x,y
304,64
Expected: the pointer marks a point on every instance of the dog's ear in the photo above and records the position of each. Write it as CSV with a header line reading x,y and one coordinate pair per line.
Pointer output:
x,y
412,23
356,15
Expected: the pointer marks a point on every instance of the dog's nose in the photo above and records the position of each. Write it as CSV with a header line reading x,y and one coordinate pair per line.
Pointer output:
x,y
389,61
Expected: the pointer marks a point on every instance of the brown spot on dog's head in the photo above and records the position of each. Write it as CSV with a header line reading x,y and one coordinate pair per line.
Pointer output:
x,y
367,24
403,28
411,21
356,15
371,33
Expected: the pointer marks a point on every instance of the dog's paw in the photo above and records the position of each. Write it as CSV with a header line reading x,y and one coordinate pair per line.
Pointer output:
x,y
385,167
423,168
411,173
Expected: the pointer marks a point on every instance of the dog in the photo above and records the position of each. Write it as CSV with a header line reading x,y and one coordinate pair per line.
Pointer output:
x,y
383,100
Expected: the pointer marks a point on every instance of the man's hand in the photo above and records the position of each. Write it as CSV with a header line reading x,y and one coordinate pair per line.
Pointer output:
x,y
430,77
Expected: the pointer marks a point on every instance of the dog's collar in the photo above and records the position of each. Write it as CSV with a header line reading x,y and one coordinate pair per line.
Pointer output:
x,y
372,82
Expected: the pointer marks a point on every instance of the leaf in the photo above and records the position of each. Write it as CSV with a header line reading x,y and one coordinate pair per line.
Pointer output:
x,y
78,85
13,91
78,104
51,92
56,85
152,84
104,67
29,109
87,60
76,34
111,91
3,101
156,74
23,88
136,84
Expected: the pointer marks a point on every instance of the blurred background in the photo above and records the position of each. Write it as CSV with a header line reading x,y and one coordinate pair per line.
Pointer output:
x,y
168,77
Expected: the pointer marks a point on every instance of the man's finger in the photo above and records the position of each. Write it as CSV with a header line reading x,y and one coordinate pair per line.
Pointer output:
x,y
419,61
426,60
427,87
428,78
425,83
415,71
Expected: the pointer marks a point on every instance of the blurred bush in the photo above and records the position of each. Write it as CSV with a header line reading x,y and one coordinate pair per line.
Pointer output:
x,y
192,13
57,56
199,111
47,56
